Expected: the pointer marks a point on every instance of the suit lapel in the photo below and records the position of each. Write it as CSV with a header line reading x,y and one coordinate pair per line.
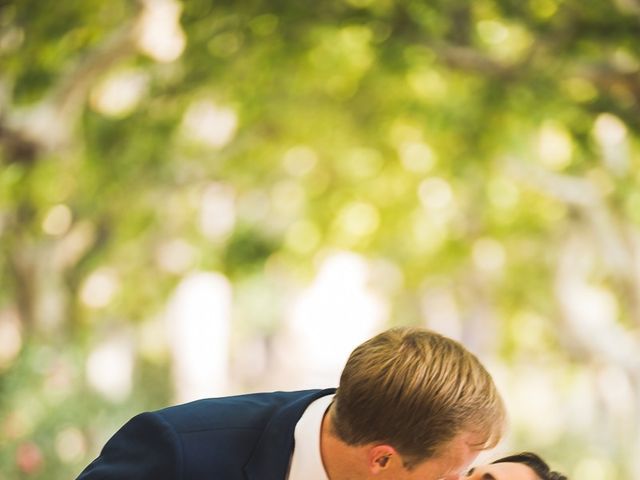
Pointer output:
x,y
271,456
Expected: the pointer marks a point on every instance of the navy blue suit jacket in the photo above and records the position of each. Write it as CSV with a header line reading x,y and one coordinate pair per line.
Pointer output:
x,y
246,437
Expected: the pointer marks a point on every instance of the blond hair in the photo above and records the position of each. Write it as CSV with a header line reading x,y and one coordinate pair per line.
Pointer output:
x,y
415,390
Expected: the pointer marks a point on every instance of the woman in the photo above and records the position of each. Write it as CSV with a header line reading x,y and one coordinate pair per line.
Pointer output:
x,y
523,466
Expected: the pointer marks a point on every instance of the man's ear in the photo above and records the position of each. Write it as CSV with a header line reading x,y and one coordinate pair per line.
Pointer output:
x,y
380,456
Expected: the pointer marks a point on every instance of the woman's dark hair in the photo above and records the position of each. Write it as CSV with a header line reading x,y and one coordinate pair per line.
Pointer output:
x,y
535,463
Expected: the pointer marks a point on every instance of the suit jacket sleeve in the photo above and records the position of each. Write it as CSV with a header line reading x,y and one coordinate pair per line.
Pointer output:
x,y
145,448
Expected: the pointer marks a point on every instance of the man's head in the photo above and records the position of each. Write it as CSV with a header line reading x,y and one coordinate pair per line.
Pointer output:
x,y
416,392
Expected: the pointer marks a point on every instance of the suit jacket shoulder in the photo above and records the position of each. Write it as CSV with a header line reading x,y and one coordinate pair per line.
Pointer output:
x,y
241,437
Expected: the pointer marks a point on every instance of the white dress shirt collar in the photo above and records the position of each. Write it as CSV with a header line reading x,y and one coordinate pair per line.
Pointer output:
x,y
306,461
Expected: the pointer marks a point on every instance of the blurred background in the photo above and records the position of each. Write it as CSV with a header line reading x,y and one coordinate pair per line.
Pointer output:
x,y
204,198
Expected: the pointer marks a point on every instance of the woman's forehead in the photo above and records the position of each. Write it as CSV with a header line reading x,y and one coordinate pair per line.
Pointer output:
x,y
511,471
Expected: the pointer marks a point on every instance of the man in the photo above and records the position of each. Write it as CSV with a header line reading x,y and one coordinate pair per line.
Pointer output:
x,y
411,404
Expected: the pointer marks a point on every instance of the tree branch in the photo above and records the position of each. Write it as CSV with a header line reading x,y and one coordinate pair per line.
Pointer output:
x,y
48,124
617,249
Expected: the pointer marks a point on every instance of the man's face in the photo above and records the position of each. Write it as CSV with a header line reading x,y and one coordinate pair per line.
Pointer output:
x,y
456,457
501,471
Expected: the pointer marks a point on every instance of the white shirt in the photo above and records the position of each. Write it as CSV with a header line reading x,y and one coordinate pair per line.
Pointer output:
x,y
306,460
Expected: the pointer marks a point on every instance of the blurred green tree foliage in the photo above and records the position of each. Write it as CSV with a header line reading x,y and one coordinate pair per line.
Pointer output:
x,y
486,148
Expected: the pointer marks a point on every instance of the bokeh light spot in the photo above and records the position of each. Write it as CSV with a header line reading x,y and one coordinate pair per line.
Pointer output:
x,y
57,220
